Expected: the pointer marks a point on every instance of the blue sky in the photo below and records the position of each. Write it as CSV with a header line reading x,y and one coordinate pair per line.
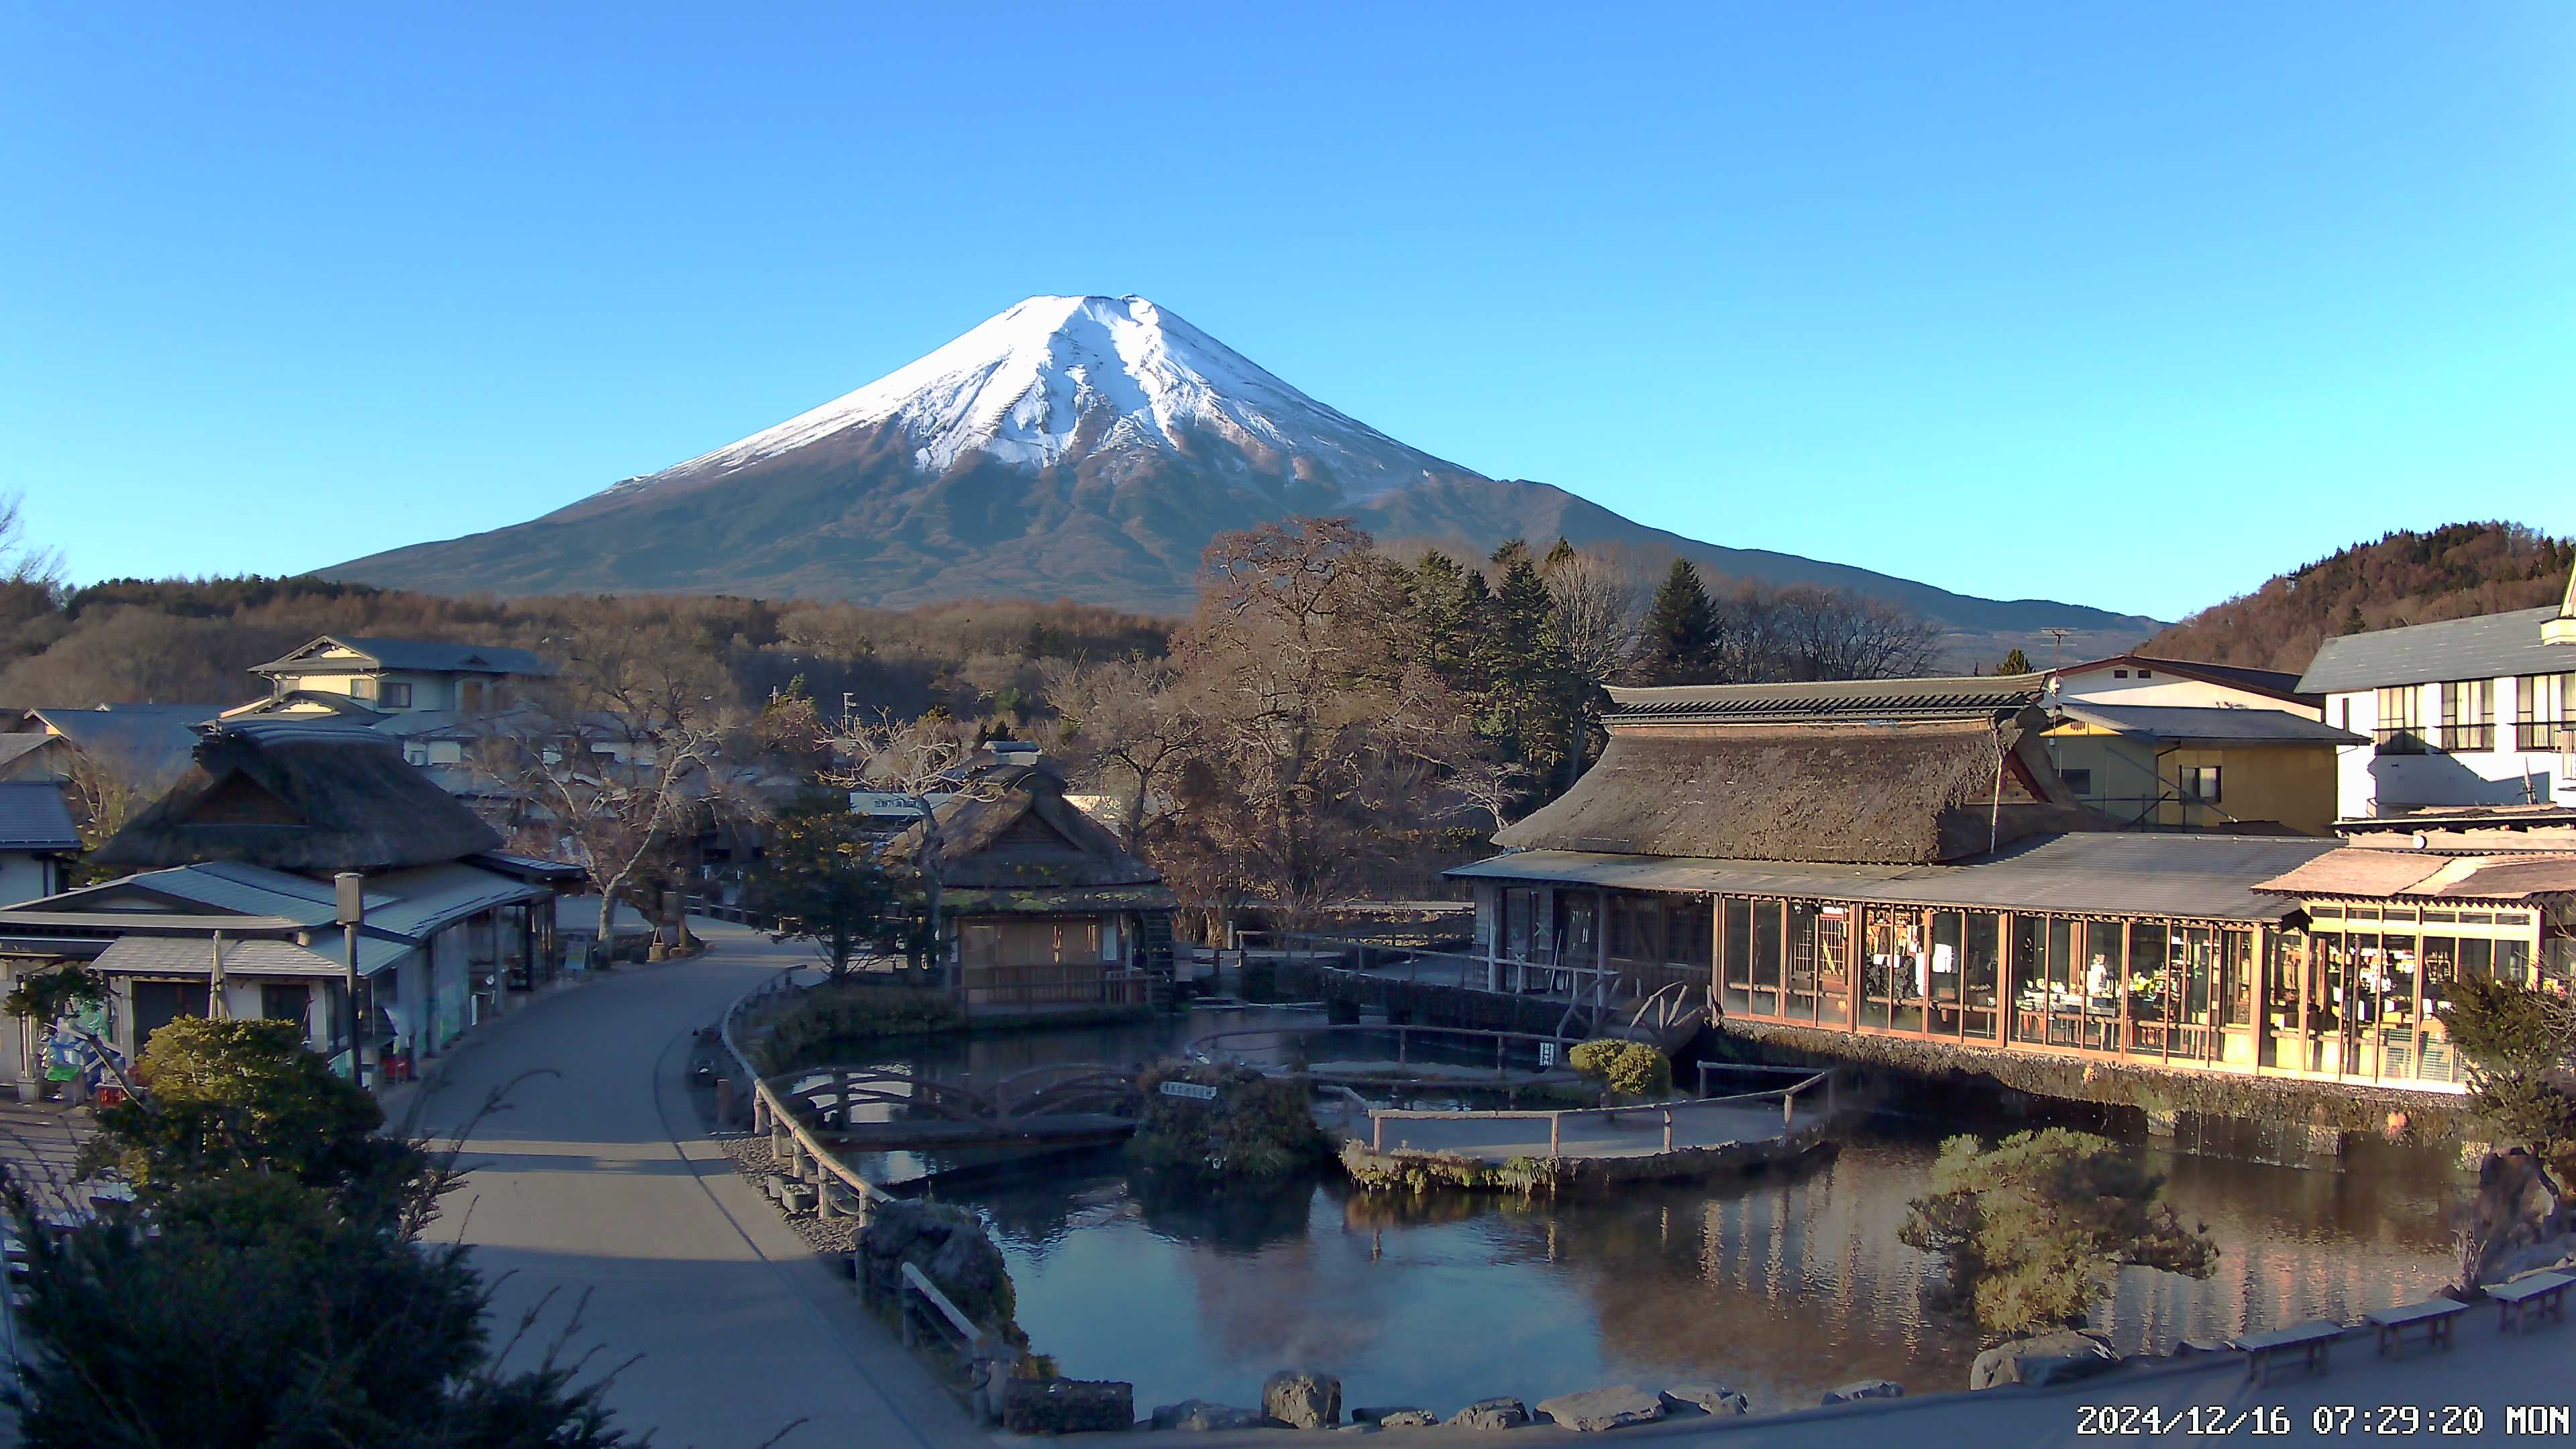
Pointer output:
x,y
2132,309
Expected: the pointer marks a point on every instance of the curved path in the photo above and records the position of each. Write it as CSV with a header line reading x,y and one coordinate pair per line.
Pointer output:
x,y
600,1181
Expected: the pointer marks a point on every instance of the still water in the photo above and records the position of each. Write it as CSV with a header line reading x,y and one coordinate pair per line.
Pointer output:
x,y
1780,1285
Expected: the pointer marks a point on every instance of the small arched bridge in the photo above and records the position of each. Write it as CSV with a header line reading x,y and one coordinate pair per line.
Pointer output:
x,y
886,1108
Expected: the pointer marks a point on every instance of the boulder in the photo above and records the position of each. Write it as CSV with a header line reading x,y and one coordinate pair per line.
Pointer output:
x,y
1068,1406
1863,1389
2047,1358
1198,1415
1367,1414
1303,1398
1407,1419
1491,1414
1596,1410
1707,1398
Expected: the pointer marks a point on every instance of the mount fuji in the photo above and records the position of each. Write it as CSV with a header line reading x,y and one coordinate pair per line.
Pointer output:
x,y
1074,447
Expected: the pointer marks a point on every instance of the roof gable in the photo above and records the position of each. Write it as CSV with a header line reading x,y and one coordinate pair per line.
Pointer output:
x,y
360,653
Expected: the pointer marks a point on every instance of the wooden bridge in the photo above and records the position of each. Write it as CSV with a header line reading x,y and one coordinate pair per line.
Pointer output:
x,y
879,1108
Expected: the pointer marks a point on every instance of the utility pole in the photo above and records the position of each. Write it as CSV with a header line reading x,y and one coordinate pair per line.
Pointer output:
x,y
2056,645
351,888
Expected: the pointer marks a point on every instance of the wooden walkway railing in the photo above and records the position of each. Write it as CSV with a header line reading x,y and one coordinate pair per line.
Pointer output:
x,y
1556,1118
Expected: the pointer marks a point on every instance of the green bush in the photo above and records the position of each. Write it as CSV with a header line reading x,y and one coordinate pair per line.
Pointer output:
x,y
1258,1126
2029,1234
812,1021
1625,1068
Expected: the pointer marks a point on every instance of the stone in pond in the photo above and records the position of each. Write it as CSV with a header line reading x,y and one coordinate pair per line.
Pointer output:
x,y
1863,1389
1595,1410
1491,1414
1303,1398
1407,1419
1198,1415
2046,1358
1707,1398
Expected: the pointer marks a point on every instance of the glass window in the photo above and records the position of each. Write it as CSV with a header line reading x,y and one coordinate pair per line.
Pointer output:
x,y
1981,974
2401,724
1686,928
2513,962
2078,781
1833,964
1803,918
2200,782
2441,967
1948,968
1739,954
1766,956
395,696
2468,715
2236,997
2544,709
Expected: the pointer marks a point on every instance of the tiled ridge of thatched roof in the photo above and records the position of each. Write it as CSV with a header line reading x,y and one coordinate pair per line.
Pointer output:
x,y
1014,830
305,798
1849,793
1889,700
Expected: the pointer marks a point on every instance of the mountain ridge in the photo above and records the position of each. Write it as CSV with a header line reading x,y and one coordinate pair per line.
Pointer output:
x,y
1077,447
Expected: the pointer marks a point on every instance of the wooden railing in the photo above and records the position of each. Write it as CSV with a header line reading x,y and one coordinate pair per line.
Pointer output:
x,y
1074,984
1557,1118
990,1359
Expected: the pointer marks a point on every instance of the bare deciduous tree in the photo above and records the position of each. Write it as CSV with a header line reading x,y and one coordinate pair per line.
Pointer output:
x,y
1127,727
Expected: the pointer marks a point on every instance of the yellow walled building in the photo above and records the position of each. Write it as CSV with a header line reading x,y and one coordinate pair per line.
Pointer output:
x,y
2199,768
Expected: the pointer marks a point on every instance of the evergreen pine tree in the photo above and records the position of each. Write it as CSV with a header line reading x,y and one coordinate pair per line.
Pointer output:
x,y
2015,662
1681,628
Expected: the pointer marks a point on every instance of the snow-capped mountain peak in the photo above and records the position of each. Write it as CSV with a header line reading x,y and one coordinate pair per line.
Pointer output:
x,y
1054,378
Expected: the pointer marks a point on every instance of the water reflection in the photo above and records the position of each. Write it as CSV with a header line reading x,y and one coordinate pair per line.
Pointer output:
x,y
1781,1286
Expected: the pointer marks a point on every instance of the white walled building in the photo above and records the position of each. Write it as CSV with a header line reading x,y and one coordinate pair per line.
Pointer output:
x,y
2143,680
2457,715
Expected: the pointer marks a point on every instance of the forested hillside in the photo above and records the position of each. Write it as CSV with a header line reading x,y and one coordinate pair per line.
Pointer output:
x,y
2406,577
181,641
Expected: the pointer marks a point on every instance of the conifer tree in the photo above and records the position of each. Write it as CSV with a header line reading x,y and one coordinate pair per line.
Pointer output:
x,y
2015,662
1681,629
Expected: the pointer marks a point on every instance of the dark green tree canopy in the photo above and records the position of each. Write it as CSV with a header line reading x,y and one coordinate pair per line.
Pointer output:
x,y
822,874
1681,629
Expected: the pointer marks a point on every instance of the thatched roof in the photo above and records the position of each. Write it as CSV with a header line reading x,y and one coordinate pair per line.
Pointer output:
x,y
1836,792
307,798
1014,830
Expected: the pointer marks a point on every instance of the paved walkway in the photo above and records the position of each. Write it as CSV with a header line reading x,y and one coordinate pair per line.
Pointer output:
x,y
599,1181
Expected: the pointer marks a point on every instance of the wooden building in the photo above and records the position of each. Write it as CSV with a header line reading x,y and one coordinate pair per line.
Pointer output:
x,y
1040,907
231,910
1901,859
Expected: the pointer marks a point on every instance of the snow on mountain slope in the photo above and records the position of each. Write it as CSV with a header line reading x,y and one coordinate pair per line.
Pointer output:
x,y
1054,378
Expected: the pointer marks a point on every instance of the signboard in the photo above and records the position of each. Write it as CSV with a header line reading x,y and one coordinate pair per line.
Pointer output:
x,y
1546,1054
1191,1090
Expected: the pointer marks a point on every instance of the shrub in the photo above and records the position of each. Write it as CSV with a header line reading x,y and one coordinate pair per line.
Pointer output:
x,y
1624,1068
849,1011
1258,1126
2029,1234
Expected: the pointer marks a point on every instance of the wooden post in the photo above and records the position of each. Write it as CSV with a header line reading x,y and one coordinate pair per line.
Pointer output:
x,y
1668,1129
1829,1097
1555,1121
1377,1133
1788,1110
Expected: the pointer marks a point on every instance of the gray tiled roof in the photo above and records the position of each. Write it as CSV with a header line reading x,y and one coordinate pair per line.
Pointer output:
x,y
2192,722
33,817
2489,646
430,655
154,740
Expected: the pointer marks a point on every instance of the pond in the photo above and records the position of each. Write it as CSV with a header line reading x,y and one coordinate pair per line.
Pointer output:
x,y
1780,1286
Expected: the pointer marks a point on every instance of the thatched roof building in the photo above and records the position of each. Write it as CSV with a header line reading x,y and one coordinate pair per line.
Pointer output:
x,y
303,798
1013,842
1884,772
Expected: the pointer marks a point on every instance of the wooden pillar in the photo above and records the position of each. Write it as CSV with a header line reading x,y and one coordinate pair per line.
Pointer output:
x,y
2128,929
2006,925
2306,965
